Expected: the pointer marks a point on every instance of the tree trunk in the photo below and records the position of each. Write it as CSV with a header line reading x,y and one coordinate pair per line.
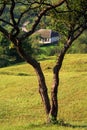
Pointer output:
x,y
43,89
54,90
54,99
41,79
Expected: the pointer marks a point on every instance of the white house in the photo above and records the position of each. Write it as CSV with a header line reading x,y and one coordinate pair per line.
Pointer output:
x,y
47,36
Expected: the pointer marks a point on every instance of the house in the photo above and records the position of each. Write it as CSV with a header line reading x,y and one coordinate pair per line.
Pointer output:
x,y
47,36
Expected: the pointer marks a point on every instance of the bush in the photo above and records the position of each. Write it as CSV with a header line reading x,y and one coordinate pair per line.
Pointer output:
x,y
3,62
78,48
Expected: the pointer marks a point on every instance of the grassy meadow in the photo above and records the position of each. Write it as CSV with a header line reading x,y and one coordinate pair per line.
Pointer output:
x,y
21,107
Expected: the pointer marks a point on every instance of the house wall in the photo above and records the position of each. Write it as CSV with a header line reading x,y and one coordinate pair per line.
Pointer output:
x,y
49,40
54,39
45,41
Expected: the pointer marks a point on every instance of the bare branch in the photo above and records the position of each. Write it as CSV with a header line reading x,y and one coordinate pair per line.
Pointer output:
x,y
6,22
12,12
40,15
80,30
16,28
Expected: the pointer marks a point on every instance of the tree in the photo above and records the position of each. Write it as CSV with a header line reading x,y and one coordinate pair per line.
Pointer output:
x,y
8,53
73,20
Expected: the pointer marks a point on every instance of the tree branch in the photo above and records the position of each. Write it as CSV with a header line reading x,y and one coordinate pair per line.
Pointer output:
x,y
4,31
80,30
12,12
7,22
40,15
13,20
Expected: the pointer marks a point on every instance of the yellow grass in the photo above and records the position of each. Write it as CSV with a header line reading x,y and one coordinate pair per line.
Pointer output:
x,y
21,107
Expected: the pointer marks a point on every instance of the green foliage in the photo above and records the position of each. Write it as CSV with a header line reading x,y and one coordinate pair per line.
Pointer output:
x,y
8,53
3,62
60,22
80,45
1,50
70,16
78,48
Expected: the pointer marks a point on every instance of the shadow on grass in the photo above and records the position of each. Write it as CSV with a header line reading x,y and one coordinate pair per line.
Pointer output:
x,y
58,123
62,123
15,74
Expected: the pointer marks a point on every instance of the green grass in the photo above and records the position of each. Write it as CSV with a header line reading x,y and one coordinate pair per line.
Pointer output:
x,y
21,107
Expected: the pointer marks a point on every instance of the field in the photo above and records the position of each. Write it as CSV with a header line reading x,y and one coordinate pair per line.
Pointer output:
x,y
21,107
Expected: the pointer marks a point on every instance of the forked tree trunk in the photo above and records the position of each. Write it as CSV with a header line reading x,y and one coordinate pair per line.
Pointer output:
x,y
51,110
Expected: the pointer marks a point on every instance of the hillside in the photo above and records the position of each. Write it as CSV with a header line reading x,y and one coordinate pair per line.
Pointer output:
x,y
20,104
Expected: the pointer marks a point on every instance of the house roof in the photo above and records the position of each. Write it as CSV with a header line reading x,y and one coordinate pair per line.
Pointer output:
x,y
47,33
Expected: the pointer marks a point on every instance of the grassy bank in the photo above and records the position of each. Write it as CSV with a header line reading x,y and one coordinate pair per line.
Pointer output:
x,y
21,107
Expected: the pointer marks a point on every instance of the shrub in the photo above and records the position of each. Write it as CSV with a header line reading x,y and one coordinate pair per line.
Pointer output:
x,y
3,62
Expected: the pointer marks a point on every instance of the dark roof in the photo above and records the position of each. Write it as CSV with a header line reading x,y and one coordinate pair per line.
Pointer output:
x,y
47,33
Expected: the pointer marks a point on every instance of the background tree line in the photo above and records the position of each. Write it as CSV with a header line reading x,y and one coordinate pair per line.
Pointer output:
x,y
9,56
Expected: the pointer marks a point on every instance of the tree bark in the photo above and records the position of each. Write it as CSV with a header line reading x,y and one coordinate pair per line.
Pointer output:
x,y
41,79
54,90
43,89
